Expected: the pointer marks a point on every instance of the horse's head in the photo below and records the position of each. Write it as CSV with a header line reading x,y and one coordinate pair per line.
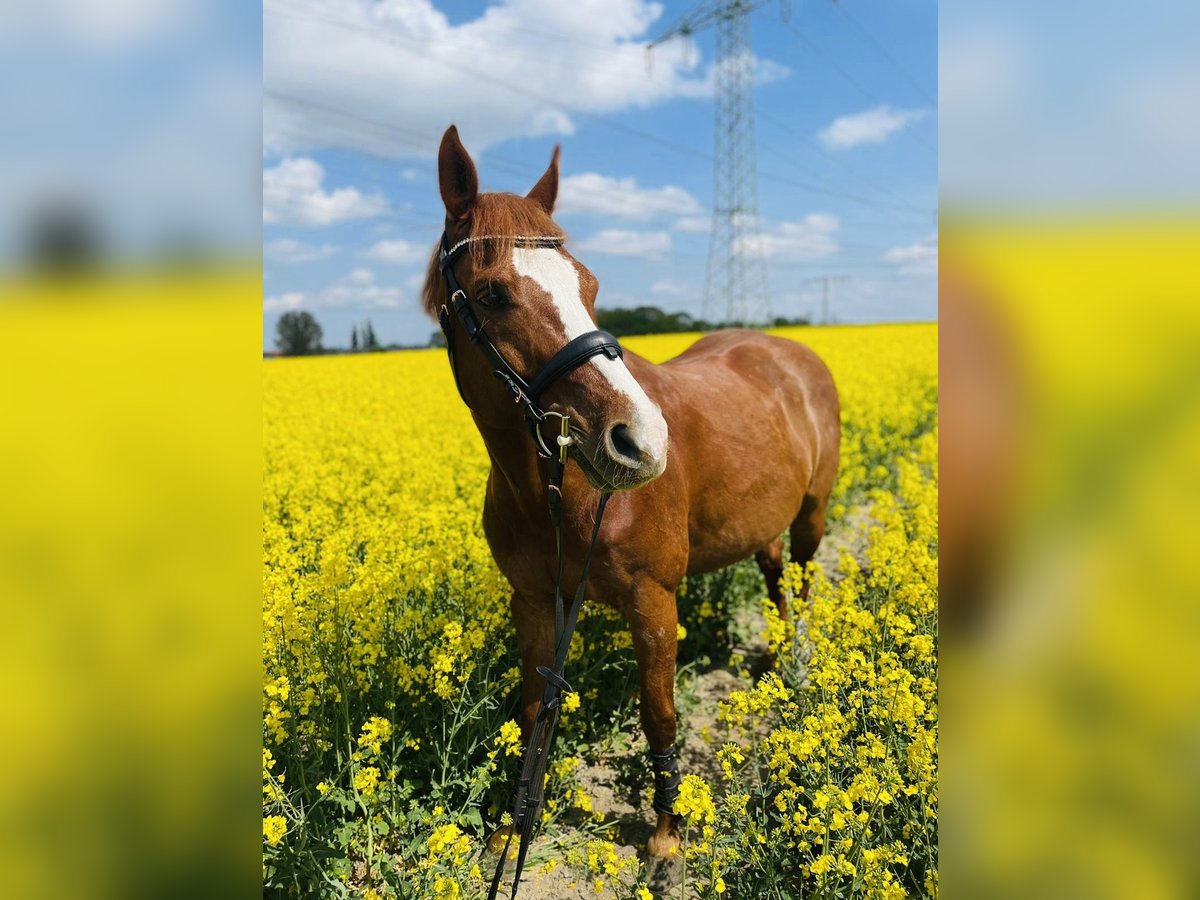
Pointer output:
x,y
530,301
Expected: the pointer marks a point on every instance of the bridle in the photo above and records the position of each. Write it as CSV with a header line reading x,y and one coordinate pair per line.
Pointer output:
x,y
526,393
527,801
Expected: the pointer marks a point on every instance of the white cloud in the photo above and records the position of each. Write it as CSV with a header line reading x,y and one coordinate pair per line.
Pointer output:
x,y
693,224
387,77
397,253
621,198
293,194
808,238
358,290
872,126
620,242
920,258
283,302
286,250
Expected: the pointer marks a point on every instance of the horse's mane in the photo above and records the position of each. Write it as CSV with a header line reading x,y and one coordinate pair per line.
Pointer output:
x,y
502,217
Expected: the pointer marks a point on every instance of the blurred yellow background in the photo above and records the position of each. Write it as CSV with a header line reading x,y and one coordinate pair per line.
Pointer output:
x,y
130,560
1071,748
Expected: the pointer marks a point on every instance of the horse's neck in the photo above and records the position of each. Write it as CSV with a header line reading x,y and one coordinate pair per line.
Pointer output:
x,y
513,456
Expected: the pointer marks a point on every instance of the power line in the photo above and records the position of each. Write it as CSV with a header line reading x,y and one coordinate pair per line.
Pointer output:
x,y
416,139
813,147
882,48
593,117
837,68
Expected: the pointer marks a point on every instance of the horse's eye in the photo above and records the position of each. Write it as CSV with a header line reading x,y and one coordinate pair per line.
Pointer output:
x,y
492,296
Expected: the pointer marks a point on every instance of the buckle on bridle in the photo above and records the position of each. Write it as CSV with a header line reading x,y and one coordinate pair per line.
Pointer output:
x,y
563,441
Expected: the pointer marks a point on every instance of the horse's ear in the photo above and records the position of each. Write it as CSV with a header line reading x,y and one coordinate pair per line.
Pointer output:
x,y
545,192
456,177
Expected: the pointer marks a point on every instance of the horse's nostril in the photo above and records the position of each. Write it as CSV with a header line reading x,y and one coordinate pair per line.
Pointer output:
x,y
623,443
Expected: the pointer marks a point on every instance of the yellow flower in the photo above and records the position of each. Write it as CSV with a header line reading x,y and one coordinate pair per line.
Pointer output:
x,y
821,864
729,756
644,893
448,842
509,738
446,888
719,885
274,828
695,801
366,780
375,733
680,631
570,702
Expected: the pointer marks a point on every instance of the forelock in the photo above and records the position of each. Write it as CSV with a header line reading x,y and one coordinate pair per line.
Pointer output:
x,y
502,218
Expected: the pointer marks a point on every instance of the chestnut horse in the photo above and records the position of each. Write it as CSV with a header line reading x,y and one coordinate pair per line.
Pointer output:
x,y
711,455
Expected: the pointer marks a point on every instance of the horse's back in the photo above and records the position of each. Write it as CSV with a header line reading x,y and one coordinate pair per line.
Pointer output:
x,y
788,370
755,435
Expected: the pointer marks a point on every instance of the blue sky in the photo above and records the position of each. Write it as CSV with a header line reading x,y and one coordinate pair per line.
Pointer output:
x,y
357,94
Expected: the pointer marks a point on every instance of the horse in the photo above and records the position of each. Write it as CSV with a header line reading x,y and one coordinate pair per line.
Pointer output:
x,y
707,459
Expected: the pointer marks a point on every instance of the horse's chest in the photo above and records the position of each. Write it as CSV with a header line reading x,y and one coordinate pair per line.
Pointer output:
x,y
522,548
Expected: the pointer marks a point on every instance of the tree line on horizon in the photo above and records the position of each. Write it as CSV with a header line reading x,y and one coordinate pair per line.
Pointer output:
x,y
299,334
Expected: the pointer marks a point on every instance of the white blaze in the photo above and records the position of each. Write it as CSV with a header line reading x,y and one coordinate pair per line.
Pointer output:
x,y
558,277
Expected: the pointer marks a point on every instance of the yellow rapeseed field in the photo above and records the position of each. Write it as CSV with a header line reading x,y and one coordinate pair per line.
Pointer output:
x,y
389,664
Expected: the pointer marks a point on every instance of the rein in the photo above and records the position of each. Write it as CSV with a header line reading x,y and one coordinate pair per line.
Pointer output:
x,y
530,793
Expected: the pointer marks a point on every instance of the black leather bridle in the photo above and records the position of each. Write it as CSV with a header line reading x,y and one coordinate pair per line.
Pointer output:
x,y
574,354
527,801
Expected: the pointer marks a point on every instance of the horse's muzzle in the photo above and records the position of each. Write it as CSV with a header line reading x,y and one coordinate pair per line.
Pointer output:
x,y
624,456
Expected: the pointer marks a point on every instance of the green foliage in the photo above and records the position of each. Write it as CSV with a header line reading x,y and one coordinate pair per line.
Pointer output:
x,y
642,320
652,320
298,334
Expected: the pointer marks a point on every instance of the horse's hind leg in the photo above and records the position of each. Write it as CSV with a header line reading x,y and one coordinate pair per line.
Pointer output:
x,y
770,561
807,530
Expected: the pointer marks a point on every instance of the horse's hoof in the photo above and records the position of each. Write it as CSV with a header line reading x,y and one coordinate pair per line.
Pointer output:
x,y
665,843
499,838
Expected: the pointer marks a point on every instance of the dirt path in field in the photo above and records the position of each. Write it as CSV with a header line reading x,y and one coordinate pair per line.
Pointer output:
x,y
610,779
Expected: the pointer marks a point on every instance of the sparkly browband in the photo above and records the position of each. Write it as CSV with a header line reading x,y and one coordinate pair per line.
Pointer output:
x,y
520,241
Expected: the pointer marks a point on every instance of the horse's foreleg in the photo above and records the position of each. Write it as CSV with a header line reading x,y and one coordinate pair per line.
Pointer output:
x,y
535,639
654,624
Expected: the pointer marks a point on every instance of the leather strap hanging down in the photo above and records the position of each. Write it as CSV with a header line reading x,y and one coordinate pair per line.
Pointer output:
x,y
531,784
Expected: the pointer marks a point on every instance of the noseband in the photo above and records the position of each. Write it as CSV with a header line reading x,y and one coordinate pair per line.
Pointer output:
x,y
526,393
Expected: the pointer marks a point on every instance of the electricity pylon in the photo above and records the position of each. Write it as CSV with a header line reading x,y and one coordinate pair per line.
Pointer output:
x,y
736,280
827,282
